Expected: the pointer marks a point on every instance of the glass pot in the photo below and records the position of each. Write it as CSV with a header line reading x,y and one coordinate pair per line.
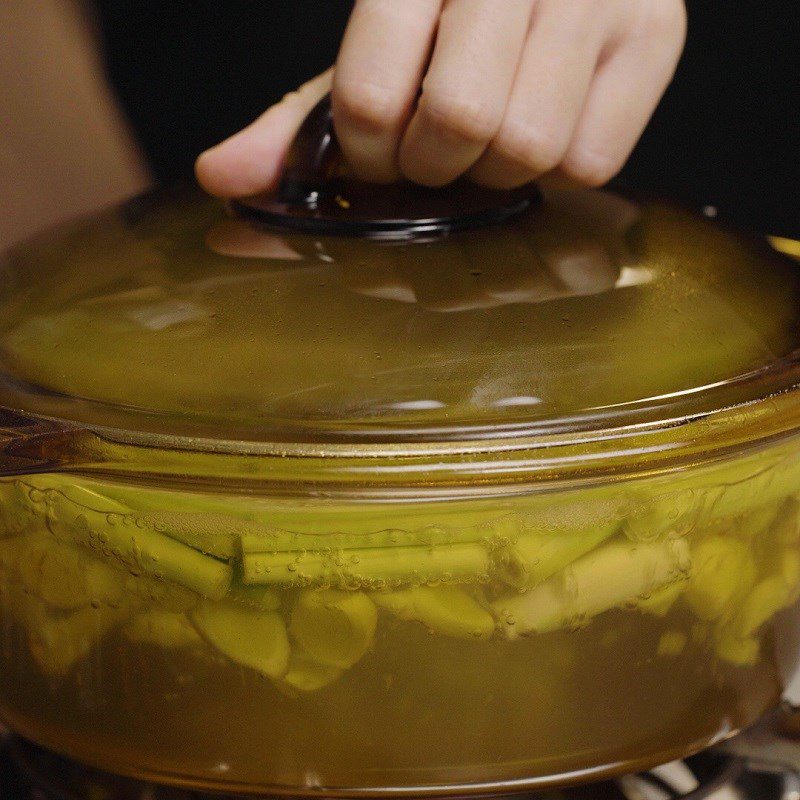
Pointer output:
x,y
468,508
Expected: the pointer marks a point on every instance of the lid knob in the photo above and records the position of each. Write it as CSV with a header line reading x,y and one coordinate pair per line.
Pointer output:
x,y
313,159
316,195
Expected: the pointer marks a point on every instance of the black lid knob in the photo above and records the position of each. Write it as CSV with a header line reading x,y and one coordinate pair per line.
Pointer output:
x,y
315,195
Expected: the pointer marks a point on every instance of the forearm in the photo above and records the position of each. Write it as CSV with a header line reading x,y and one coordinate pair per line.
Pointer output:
x,y
64,147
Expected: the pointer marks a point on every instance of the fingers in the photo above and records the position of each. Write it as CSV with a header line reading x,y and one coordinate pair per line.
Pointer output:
x,y
512,91
624,94
250,161
381,62
552,83
465,90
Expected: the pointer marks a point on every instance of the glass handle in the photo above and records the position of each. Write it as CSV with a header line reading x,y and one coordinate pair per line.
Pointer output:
x,y
316,195
313,158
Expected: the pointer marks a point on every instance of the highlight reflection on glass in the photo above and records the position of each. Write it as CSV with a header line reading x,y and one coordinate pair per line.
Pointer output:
x,y
579,265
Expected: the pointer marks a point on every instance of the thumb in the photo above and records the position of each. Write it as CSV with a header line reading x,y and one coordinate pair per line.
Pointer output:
x,y
250,161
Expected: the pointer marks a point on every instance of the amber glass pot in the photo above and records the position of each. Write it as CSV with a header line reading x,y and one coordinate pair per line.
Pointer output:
x,y
482,507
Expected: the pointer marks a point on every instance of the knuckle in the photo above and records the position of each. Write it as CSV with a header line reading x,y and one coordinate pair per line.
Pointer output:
x,y
590,168
367,105
294,97
463,117
538,148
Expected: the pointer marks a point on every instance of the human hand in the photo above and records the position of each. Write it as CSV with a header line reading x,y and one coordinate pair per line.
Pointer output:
x,y
504,91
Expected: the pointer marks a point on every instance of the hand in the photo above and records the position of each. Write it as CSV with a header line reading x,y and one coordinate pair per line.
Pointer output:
x,y
504,91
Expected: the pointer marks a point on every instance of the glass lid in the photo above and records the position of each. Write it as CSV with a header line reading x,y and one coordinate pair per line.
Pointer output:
x,y
174,317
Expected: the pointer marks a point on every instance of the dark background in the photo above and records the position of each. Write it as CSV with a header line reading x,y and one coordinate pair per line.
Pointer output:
x,y
726,134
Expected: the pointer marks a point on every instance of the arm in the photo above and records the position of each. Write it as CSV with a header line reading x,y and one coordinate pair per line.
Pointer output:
x,y
66,149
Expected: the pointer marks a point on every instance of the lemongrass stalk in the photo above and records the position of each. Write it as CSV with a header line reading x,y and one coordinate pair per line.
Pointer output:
x,y
370,567
211,534
309,523
109,530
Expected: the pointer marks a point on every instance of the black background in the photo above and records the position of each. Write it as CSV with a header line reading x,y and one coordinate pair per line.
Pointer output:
x,y
726,134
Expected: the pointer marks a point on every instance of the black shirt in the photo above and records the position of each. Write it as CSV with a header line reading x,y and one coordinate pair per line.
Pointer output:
x,y
726,134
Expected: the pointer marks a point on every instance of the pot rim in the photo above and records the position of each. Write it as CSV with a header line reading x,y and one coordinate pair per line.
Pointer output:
x,y
645,443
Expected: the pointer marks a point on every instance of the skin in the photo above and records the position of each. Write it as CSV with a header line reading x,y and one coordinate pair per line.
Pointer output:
x,y
502,92
69,152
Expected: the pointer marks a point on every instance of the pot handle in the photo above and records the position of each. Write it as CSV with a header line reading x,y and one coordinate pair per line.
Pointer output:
x,y
314,157
29,444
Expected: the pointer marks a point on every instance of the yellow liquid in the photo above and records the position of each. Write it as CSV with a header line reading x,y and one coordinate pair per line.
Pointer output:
x,y
418,711
665,638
